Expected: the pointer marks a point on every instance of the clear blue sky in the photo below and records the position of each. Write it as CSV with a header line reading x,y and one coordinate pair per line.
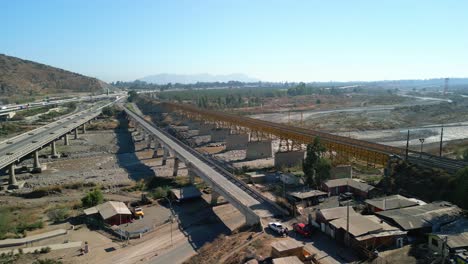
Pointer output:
x,y
271,40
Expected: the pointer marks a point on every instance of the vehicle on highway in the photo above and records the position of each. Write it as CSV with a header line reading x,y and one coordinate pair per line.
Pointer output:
x,y
277,227
345,196
303,229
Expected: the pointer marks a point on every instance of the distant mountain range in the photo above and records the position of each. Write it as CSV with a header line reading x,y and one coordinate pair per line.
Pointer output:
x,y
165,78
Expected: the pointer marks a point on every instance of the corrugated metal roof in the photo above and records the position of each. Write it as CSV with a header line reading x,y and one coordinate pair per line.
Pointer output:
x,y
335,213
358,225
423,215
349,182
286,244
307,194
109,209
391,202
287,260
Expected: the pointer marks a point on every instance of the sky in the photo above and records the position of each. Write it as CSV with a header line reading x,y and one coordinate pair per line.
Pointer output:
x,y
290,40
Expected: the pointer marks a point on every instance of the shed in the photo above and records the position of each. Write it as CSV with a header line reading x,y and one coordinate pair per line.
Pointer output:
x,y
309,196
286,247
287,260
454,235
112,212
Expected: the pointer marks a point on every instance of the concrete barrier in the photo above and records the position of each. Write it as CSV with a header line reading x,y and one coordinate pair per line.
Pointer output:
x,y
237,141
289,159
259,150
219,135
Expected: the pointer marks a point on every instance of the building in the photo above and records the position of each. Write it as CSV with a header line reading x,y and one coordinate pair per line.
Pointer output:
x,y
358,188
286,247
113,213
451,239
365,232
389,203
306,197
422,218
290,179
287,260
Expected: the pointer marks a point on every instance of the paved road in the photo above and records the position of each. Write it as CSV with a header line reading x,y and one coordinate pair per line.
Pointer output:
x,y
22,145
235,195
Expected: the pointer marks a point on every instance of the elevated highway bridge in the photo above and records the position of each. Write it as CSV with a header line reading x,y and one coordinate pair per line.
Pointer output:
x,y
370,152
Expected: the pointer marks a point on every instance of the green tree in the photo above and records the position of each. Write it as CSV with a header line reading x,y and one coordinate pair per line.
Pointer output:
x,y
316,168
461,188
465,155
132,96
92,198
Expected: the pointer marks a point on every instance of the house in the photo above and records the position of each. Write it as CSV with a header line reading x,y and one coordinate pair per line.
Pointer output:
x,y
422,218
286,247
389,203
186,193
113,213
287,260
365,232
339,186
307,196
451,239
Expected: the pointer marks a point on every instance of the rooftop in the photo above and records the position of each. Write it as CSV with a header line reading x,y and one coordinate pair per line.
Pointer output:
x,y
287,260
358,225
337,212
108,209
286,244
391,202
423,215
456,233
362,186
305,194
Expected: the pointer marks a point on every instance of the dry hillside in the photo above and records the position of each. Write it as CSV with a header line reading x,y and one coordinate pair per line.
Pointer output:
x,y
28,78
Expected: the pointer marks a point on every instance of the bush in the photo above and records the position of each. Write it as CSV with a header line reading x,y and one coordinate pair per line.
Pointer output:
x,y
160,192
92,198
109,111
58,214
45,250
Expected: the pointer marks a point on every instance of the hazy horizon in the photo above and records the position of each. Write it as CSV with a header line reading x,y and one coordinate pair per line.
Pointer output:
x,y
310,41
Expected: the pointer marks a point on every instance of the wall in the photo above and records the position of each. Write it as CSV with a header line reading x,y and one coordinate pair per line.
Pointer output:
x,y
289,159
238,141
259,150
219,135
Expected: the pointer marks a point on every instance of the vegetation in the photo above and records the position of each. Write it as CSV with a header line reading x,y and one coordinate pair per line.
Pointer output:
x,y
16,224
132,95
20,115
47,261
92,198
316,168
109,111
7,128
68,108
58,215
465,155
160,192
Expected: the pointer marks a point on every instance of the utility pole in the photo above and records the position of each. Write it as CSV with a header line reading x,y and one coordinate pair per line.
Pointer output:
x,y
422,142
407,146
441,138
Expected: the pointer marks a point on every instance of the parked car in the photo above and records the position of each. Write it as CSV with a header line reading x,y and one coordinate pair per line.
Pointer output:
x,y
345,196
277,227
138,212
302,229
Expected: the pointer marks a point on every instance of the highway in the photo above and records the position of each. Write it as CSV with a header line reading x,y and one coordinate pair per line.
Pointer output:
x,y
14,149
244,200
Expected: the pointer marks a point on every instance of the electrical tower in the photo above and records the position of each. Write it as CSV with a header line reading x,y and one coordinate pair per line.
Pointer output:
x,y
446,85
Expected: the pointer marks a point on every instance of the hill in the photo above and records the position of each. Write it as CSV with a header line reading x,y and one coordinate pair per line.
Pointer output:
x,y
165,78
23,78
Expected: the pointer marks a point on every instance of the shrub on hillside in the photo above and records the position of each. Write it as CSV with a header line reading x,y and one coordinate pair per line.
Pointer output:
x,y
92,198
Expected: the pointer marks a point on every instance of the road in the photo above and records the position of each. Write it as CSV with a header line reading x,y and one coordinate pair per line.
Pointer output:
x,y
15,148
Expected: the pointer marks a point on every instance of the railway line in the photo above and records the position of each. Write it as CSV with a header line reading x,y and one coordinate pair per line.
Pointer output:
x,y
372,153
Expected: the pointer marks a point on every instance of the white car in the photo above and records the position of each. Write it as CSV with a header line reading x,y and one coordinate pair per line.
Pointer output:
x,y
277,227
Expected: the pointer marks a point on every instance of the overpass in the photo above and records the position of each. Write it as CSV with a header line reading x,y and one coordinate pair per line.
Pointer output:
x,y
372,153
248,201
14,150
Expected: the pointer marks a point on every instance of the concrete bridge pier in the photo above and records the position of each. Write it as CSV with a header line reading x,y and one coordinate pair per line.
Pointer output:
x,y
165,154
12,176
214,196
84,128
66,142
36,164
156,148
150,140
53,150
75,131
175,170
191,174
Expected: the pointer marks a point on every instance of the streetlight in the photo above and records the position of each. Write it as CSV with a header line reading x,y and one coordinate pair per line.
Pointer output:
x,y
172,216
422,142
